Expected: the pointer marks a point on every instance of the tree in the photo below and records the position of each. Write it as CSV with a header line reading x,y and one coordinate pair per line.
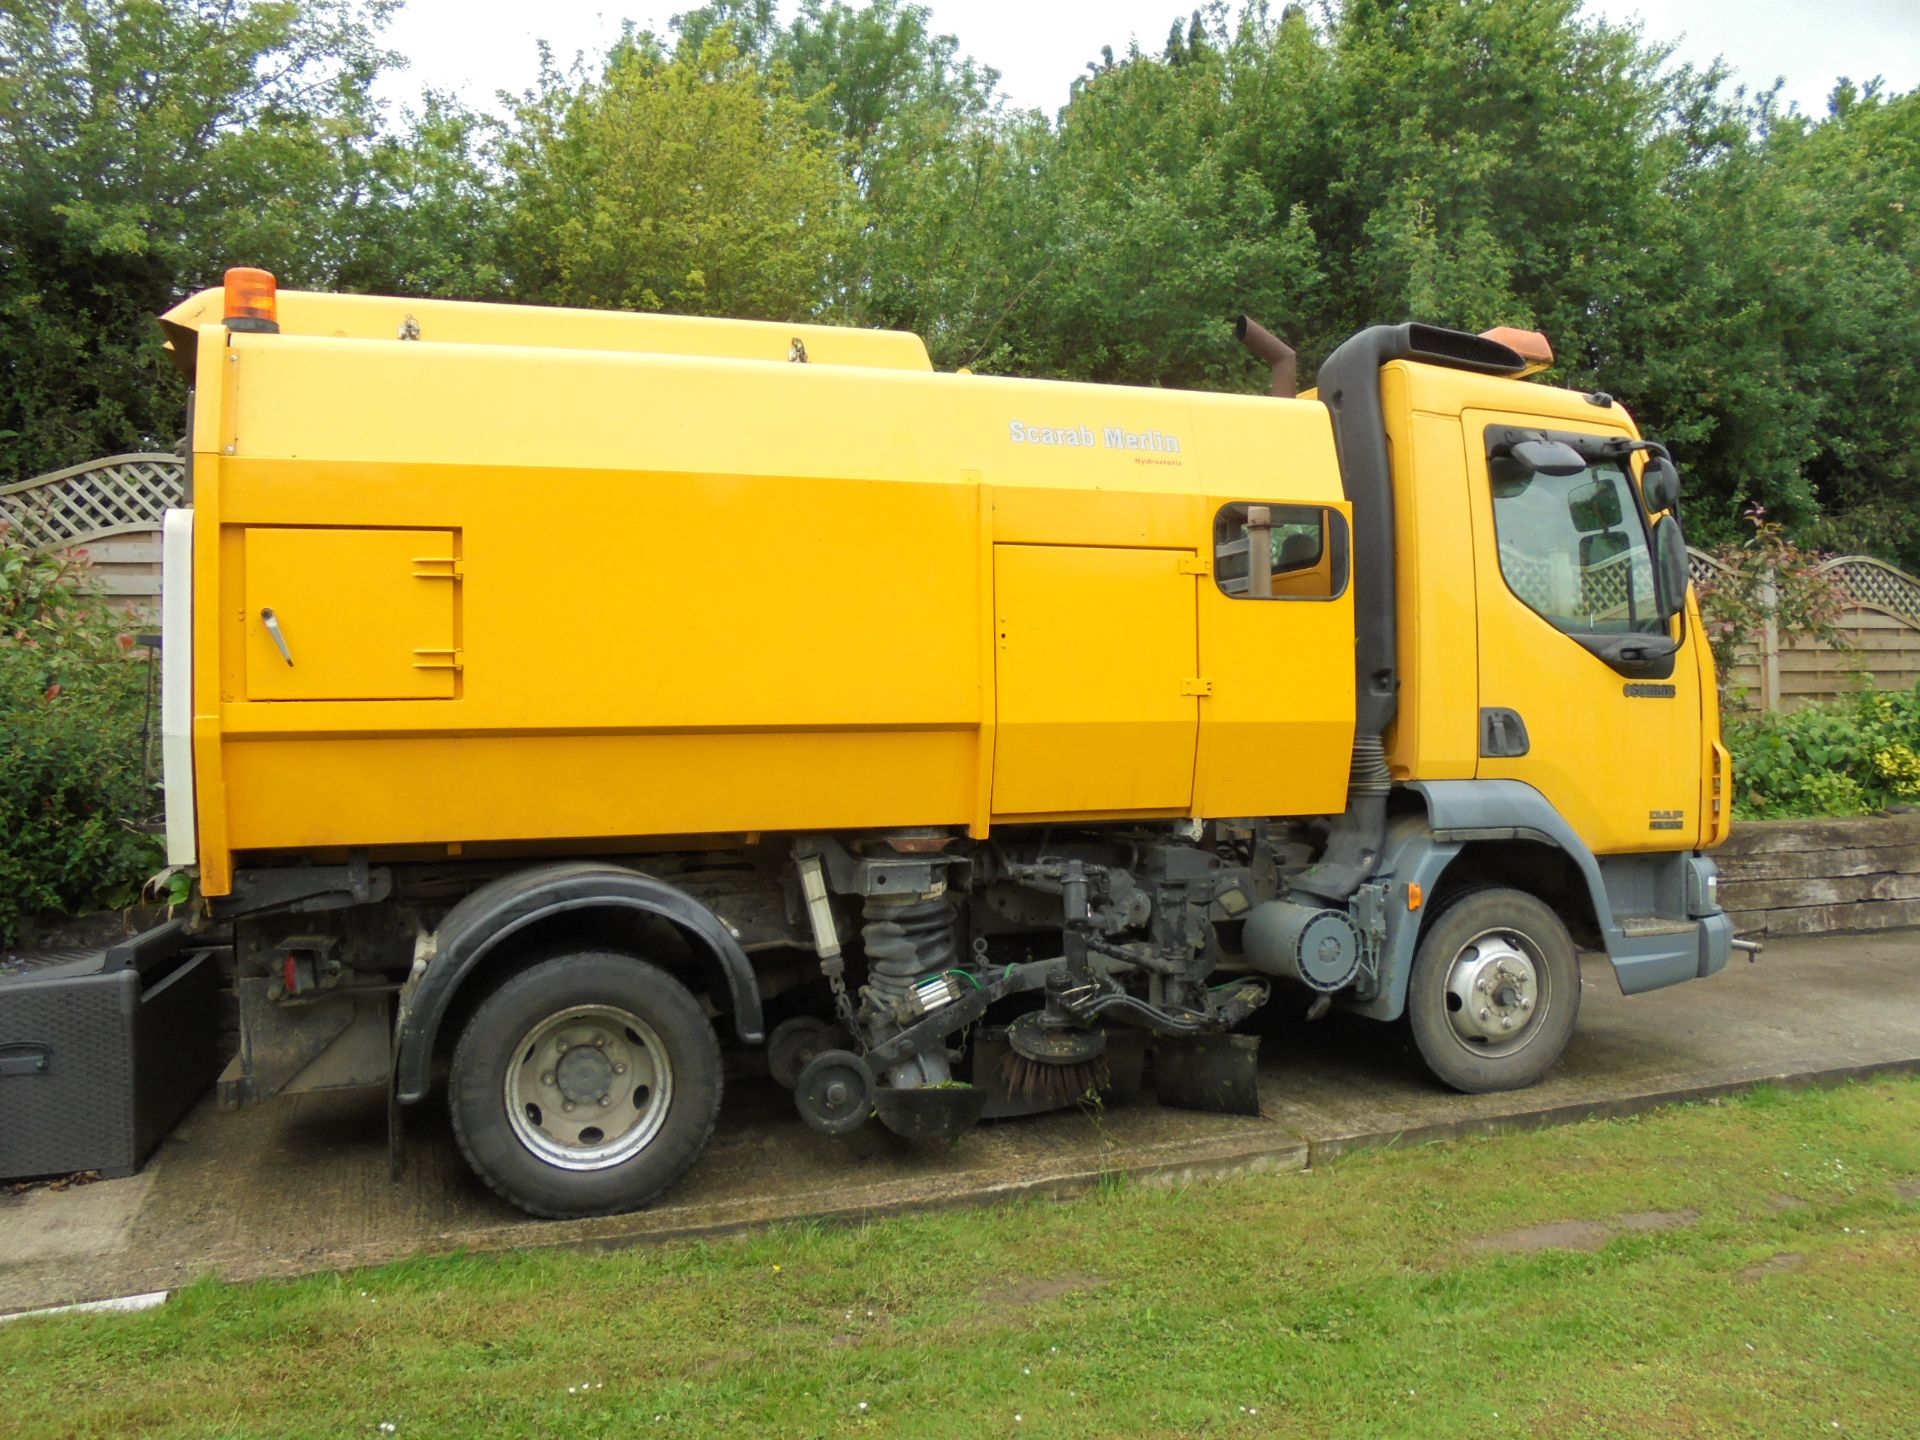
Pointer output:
x,y
1176,212
145,145
421,210
690,182
889,85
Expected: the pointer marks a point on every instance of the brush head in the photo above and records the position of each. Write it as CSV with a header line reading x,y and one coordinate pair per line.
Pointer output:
x,y
1042,1082
1053,1064
1052,1043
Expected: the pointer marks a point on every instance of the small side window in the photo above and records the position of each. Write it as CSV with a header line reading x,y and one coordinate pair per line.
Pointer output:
x,y
1280,552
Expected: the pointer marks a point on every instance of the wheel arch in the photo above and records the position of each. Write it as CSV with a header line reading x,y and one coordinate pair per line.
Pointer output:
x,y
515,919
1467,835
1537,867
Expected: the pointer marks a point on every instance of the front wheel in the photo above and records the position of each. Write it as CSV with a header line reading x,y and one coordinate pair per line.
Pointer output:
x,y
1494,992
585,1085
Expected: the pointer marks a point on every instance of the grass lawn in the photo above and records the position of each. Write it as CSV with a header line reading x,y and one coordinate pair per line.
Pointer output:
x,y
1742,1268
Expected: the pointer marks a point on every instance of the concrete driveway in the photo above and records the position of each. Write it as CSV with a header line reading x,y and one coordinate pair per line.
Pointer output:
x,y
301,1183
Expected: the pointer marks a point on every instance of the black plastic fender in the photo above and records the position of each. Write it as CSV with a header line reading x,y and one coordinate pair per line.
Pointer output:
x,y
503,908
1419,849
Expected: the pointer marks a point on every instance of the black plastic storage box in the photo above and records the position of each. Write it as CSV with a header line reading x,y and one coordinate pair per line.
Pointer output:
x,y
102,1051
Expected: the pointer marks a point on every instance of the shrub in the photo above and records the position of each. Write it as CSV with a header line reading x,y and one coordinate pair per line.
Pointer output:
x,y
1848,757
1768,577
73,703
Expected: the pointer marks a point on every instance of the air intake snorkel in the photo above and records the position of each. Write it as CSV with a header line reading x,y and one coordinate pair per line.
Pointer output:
x,y
1349,386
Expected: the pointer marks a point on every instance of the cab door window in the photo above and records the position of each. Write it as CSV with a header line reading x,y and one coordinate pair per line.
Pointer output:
x,y
1574,547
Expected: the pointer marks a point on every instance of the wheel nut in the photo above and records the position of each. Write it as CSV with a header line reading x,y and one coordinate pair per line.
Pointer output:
x,y
619,1069
1485,1014
1507,1023
606,1100
599,1042
547,1079
567,1105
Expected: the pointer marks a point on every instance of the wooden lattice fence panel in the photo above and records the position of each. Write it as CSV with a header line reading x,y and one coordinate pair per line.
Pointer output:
x,y
1875,584
111,509
1879,625
103,497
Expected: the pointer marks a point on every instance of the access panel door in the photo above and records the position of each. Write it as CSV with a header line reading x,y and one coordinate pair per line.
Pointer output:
x,y
1096,680
351,614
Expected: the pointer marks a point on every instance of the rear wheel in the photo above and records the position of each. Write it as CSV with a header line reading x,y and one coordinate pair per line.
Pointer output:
x,y
1495,991
585,1085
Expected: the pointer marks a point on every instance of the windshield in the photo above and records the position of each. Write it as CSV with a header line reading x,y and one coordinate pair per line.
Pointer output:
x,y
1573,547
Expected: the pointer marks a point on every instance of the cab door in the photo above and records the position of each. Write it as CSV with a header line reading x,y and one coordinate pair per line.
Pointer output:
x,y
1585,693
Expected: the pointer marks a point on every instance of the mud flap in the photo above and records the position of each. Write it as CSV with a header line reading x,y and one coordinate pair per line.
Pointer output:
x,y
396,1134
1219,1074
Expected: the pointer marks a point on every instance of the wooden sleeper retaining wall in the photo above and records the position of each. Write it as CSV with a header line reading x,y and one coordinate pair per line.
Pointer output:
x,y
1801,877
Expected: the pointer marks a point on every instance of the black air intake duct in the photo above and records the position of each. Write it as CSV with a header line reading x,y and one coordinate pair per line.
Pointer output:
x,y
1349,383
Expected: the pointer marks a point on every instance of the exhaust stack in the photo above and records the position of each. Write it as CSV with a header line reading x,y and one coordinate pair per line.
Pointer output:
x,y
1275,351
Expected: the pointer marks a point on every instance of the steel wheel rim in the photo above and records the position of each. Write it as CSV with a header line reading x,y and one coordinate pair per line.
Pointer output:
x,y
1497,992
588,1087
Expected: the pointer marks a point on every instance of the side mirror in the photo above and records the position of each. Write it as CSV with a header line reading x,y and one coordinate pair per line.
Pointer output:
x,y
1659,484
1670,564
1594,507
1548,457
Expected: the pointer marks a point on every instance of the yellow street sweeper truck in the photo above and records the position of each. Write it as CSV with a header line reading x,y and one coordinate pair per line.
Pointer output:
x,y
554,700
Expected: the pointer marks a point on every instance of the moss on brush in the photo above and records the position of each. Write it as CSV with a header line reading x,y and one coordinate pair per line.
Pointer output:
x,y
1755,1272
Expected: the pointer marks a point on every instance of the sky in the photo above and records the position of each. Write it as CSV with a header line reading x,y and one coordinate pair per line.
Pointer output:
x,y
478,47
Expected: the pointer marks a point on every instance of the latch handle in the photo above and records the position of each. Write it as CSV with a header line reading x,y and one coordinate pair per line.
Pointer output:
x,y
27,1057
273,629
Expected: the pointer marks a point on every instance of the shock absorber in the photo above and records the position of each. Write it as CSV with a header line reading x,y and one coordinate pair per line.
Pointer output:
x,y
911,941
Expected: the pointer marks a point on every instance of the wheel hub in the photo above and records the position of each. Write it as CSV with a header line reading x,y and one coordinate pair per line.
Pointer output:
x,y
588,1088
1493,990
835,1092
584,1074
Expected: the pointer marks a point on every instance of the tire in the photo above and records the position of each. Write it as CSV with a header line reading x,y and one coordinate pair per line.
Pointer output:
x,y
528,1064
1515,945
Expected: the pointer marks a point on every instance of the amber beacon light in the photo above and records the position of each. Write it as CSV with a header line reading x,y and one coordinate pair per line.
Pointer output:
x,y
251,300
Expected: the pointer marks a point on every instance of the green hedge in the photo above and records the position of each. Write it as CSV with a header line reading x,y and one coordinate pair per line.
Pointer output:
x,y
1847,757
73,701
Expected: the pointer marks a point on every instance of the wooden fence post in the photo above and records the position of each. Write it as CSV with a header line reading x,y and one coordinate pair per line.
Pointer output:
x,y
1770,641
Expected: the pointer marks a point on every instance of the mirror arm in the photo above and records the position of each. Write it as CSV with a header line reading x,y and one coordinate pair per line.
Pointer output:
x,y
1617,449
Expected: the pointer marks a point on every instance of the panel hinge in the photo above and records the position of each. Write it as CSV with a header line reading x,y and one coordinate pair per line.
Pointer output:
x,y
1194,565
1196,687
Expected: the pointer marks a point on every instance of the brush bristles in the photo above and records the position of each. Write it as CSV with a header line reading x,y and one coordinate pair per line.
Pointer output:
x,y
1037,1082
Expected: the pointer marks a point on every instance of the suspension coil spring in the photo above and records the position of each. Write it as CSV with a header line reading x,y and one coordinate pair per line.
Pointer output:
x,y
909,940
